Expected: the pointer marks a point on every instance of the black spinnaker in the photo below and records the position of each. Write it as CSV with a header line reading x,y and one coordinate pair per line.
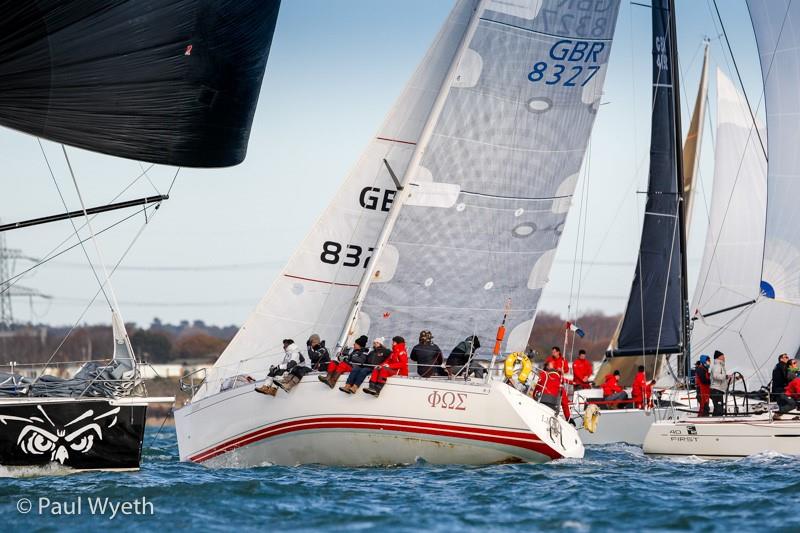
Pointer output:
x,y
172,82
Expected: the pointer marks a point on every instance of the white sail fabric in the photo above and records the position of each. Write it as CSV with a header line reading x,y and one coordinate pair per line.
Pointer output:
x,y
489,200
751,336
315,291
777,29
124,358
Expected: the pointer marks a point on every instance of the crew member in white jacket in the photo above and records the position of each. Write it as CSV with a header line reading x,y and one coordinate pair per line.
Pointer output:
x,y
719,383
292,358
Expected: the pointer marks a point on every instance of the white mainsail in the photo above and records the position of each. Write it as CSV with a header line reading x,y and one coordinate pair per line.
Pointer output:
x,y
482,214
500,167
758,329
777,29
314,292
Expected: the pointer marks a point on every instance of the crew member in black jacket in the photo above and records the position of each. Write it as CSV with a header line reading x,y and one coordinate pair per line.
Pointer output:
x,y
428,356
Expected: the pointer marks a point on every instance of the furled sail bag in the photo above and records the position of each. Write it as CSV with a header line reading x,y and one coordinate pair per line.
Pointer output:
x,y
172,82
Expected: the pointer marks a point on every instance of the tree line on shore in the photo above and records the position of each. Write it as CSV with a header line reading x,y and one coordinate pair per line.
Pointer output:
x,y
177,343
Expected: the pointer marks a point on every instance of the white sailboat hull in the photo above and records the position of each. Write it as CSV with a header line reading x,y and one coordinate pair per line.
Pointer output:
x,y
729,437
628,426
438,421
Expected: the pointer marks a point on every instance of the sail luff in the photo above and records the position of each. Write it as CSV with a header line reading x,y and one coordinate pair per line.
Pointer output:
x,y
408,176
693,143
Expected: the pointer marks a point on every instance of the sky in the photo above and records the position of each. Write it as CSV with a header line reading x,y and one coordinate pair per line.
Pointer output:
x,y
335,68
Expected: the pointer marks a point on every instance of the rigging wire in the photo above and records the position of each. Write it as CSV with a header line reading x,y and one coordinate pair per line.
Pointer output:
x,y
48,258
66,208
50,255
107,280
739,75
94,298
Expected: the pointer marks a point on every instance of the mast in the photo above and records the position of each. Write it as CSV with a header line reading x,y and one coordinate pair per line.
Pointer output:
x,y
676,102
411,170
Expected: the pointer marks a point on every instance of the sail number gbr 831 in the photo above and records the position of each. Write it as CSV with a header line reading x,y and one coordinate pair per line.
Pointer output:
x,y
572,63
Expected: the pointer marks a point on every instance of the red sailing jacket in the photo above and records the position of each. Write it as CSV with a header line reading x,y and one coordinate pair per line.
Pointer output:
x,y
581,370
793,389
559,363
549,383
639,383
610,385
642,390
398,360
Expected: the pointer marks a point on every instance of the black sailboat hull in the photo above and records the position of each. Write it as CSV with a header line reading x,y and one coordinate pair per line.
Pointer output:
x,y
82,433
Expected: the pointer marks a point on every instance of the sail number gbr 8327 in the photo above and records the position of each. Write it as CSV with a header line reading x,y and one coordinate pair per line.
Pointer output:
x,y
570,63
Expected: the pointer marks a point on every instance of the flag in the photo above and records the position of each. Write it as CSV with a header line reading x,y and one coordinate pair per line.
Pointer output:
x,y
578,331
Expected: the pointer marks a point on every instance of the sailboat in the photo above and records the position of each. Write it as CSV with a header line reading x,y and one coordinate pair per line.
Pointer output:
x,y
455,208
758,314
655,325
170,83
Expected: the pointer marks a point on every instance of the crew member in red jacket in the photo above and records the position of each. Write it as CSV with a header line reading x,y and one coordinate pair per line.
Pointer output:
x,y
396,364
612,391
702,382
793,388
560,364
548,387
581,371
642,389
791,395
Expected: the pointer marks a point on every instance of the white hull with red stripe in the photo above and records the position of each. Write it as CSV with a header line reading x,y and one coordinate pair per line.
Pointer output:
x,y
436,420
720,438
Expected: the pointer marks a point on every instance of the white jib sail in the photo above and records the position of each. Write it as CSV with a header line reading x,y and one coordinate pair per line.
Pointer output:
x,y
483,213
315,291
777,29
751,336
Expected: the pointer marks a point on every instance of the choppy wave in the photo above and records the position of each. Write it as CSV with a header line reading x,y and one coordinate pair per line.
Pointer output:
x,y
615,487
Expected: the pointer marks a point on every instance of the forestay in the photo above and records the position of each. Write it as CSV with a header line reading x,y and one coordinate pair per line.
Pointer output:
x,y
486,206
315,291
753,334
777,29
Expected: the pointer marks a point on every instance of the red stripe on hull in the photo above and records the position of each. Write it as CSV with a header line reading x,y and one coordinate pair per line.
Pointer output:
x,y
528,441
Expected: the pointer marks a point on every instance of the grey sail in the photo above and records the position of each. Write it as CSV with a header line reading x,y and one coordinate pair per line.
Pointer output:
x,y
652,323
487,204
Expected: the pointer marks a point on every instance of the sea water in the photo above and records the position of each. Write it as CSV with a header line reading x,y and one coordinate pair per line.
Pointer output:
x,y
614,487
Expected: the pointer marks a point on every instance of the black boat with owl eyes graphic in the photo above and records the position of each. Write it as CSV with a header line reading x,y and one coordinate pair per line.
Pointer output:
x,y
171,83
